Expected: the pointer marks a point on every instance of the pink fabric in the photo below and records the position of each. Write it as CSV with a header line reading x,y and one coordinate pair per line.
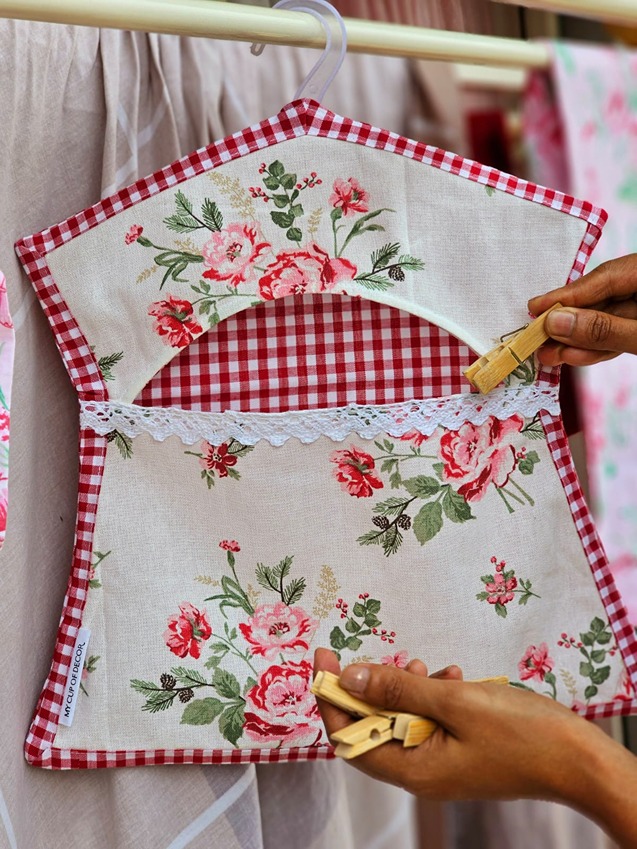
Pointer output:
x,y
591,122
7,345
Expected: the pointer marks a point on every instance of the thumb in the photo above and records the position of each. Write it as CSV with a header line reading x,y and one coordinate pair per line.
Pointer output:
x,y
593,330
395,689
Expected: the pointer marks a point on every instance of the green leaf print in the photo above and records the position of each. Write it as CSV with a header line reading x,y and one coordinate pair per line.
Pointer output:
x,y
201,712
231,723
428,522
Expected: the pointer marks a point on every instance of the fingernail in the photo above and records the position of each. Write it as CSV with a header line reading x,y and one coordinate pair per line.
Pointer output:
x,y
354,679
560,323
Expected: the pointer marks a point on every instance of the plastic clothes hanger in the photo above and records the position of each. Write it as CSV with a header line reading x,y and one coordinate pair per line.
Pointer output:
x,y
321,75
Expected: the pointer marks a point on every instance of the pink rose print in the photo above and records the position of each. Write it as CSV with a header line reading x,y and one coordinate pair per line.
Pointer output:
x,y
626,691
400,659
217,459
133,234
230,545
4,425
3,515
281,707
275,628
230,254
355,472
480,455
5,315
536,663
306,271
501,590
175,322
349,196
187,630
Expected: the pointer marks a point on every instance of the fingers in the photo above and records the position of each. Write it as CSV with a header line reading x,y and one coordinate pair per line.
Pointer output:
x,y
555,354
417,667
593,330
449,673
326,661
612,280
333,718
395,689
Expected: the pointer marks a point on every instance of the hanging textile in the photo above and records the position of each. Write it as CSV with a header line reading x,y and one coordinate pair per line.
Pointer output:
x,y
586,116
118,105
208,509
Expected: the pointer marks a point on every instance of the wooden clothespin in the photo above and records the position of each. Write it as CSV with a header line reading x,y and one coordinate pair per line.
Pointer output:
x,y
377,726
494,366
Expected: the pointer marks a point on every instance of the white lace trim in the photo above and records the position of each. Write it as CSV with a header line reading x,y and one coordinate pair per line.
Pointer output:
x,y
308,425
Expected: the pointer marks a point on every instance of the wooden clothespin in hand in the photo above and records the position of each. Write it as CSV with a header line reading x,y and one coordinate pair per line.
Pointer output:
x,y
377,726
494,366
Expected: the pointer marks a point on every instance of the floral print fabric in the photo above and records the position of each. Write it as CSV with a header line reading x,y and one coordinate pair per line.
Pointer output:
x,y
229,634
7,345
235,557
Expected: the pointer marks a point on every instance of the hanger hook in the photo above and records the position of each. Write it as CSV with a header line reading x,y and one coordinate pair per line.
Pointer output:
x,y
321,75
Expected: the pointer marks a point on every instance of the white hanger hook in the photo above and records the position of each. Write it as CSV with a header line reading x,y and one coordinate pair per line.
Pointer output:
x,y
320,77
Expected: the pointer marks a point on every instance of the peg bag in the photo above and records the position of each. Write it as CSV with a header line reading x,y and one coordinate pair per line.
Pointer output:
x,y
278,450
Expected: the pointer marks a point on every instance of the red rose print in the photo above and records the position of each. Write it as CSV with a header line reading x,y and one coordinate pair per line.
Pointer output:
x,y
187,630
480,455
535,663
175,322
349,196
217,459
307,271
230,254
281,708
400,659
230,545
275,628
3,516
355,472
414,436
133,234
500,591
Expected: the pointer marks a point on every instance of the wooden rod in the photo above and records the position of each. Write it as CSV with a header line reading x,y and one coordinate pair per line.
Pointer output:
x,y
213,19
609,11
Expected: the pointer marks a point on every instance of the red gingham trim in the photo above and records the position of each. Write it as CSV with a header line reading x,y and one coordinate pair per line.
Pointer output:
x,y
300,118
78,759
71,342
308,352
622,629
45,722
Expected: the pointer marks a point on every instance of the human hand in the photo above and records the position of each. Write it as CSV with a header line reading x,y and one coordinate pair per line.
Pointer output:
x,y
599,321
493,742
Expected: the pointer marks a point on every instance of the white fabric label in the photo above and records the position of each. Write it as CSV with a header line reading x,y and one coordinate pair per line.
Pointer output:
x,y
72,689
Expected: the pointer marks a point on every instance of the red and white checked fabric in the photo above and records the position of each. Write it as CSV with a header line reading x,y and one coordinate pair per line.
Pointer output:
x,y
300,118
622,629
309,352
300,353
45,722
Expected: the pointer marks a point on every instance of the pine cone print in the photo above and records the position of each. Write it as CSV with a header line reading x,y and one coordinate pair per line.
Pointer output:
x,y
186,695
404,522
396,273
381,522
167,681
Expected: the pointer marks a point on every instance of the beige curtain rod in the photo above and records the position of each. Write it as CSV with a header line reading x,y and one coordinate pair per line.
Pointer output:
x,y
212,19
608,11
